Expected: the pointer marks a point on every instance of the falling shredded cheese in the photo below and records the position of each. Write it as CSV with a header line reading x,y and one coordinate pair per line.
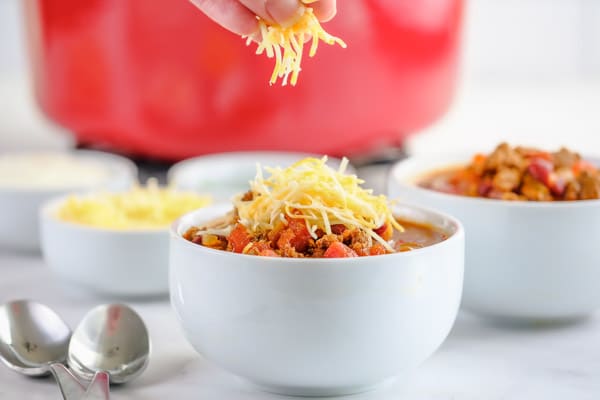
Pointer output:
x,y
140,208
321,196
286,44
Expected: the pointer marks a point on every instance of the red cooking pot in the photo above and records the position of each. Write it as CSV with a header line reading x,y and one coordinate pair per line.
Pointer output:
x,y
158,78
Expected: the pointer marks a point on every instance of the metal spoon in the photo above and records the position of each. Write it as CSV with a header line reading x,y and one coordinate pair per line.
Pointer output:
x,y
111,338
34,342
32,337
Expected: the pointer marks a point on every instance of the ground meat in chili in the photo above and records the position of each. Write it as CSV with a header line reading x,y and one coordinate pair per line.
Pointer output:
x,y
521,173
291,239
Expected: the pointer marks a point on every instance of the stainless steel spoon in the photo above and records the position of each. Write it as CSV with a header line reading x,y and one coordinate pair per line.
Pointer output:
x,y
111,338
34,341
32,337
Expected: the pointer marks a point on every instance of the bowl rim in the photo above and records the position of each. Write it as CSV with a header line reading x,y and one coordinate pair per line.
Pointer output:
x,y
453,237
47,212
118,165
445,160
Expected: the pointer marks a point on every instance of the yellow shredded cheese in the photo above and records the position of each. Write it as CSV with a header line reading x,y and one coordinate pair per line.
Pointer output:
x,y
149,207
286,44
318,194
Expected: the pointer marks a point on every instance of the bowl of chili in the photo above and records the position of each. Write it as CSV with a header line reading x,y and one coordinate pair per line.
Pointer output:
x,y
307,307
531,218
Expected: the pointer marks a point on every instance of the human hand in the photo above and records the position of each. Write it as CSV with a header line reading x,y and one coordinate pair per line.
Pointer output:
x,y
239,16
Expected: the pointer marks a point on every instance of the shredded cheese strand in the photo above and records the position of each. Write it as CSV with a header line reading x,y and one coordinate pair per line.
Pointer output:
x,y
286,44
321,196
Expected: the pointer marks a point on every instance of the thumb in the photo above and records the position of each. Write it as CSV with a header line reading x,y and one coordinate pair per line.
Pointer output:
x,y
284,12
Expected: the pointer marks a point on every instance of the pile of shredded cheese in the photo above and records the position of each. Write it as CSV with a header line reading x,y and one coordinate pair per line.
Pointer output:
x,y
321,196
147,207
286,43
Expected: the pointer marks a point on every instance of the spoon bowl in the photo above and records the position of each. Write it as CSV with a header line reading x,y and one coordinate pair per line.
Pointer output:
x,y
32,337
111,338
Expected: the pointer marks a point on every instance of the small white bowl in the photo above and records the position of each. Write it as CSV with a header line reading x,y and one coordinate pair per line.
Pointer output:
x,y
224,175
316,326
116,262
19,206
524,260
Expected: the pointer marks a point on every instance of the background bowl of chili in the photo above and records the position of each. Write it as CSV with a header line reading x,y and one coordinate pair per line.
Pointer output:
x,y
317,326
524,260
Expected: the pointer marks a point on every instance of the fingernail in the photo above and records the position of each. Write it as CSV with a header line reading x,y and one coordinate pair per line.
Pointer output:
x,y
284,12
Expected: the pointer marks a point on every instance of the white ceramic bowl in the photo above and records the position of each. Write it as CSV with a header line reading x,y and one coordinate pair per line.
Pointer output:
x,y
19,206
524,260
109,262
316,326
224,175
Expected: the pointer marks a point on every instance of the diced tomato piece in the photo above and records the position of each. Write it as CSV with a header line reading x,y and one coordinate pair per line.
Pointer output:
x,y
385,231
377,249
339,250
540,169
543,170
295,235
239,238
381,229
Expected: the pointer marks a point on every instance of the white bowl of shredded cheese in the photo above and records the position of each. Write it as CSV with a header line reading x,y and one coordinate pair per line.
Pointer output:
x,y
114,243
28,179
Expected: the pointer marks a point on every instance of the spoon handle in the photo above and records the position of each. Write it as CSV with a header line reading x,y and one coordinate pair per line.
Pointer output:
x,y
72,389
69,385
99,388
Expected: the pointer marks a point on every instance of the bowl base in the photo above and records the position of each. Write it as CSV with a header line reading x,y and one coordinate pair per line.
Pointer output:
x,y
320,391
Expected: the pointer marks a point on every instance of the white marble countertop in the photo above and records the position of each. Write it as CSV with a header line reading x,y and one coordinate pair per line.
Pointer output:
x,y
479,360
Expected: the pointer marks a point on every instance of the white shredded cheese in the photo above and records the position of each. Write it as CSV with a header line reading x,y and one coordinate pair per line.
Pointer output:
x,y
321,196
139,208
286,44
